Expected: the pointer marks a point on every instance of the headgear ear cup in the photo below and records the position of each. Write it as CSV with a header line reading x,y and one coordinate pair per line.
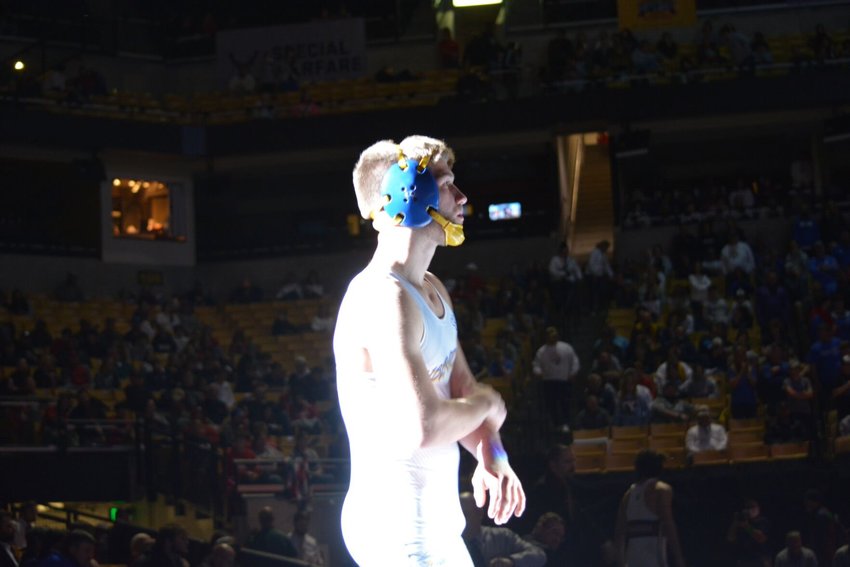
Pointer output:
x,y
411,198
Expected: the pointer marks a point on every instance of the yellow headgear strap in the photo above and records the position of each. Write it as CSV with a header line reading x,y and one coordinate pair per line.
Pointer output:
x,y
454,231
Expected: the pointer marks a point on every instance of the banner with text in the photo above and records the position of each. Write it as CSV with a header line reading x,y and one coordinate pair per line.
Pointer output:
x,y
650,14
305,53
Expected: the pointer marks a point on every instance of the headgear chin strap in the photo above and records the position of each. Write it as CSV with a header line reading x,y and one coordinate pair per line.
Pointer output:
x,y
411,198
454,231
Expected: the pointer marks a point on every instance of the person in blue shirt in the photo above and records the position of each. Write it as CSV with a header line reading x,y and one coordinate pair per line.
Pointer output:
x,y
825,360
824,268
805,231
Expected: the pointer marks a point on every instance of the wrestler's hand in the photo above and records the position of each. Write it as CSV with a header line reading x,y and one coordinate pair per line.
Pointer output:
x,y
498,478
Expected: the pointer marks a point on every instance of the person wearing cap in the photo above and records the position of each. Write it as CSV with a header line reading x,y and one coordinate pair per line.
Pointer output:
x,y
705,435
556,365
406,393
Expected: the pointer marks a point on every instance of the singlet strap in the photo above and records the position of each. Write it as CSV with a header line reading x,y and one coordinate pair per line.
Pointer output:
x,y
417,296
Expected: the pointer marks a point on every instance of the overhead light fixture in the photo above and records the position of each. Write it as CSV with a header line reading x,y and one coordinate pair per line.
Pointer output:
x,y
116,182
473,3
19,65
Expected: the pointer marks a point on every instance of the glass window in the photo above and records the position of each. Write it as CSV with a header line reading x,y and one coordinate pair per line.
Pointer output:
x,y
144,209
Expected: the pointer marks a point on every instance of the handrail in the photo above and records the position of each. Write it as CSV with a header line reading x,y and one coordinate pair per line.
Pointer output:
x,y
274,557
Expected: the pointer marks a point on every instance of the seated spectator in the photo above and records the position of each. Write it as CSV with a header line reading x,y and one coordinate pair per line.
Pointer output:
x,y
821,526
323,321
772,302
784,427
824,268
771,382
305,544
672,370
312,287
644,59
169,550
715,308
761,50
310,458
749,535
799,393
794,554
842,556
705,435
290,289
633,405
605,392
283,326
824,360
699,385
495,546
141,544
592,416
737,254
549,535
222,555
669,407
247,292
269,539
667,46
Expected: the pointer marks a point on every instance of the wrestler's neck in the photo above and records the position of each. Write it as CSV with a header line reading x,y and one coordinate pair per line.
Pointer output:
x,y
406,252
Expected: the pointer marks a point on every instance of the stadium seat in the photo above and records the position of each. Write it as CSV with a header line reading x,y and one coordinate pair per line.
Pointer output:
x,y
790,450
711,458
749,452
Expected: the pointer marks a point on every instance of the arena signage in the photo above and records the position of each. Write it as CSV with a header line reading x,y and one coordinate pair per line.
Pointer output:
x,y
310,52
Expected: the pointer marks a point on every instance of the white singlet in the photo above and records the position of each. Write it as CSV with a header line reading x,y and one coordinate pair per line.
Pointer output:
x,y
645,546
402,507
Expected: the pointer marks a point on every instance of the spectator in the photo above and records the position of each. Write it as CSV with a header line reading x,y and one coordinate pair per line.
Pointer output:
x,y
222,555
824,268
772,302
549,535
799,393
246,292
749,534
564,278
822,529
824,360
667,46
668,407
794,554
312,287
448,50
495,546
737,254
141,544
269,539
553,491
283,326
592,416
739,47
699,385
169,550
774,372
305,544
635,400
599,275
715,309
705,435
761,50
556,365
323,321
290,289
8,557
743,379
842,557
841,393
785,427
672,370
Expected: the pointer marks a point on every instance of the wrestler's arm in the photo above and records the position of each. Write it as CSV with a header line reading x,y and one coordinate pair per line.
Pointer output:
x,y
420,417
494,473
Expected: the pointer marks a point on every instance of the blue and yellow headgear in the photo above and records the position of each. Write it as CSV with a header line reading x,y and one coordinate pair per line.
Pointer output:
x,y
411,197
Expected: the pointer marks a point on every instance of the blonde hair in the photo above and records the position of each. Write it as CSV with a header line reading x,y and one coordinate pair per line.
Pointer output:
x,y
376,159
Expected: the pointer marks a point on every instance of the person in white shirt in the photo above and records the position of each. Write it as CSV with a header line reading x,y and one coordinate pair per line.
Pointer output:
x,y
705,435
737,254
699,283
306,545
556,364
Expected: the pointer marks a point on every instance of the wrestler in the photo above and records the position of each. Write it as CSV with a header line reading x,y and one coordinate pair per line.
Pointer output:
x,y
406,392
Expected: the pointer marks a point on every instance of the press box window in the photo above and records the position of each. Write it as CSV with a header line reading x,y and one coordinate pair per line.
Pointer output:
x,y
146,209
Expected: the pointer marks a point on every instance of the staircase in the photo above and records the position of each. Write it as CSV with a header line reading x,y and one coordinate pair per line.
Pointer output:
x,y
594,215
